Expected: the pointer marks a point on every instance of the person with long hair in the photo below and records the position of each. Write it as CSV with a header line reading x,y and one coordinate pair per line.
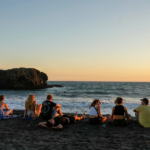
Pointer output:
x,y
95,116
29,107
119,116
6,113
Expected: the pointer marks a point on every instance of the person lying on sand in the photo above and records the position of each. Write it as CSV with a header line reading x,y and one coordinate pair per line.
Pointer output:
x,y
120,116
2,105
60,121
50,109
144,113
95,116
29,107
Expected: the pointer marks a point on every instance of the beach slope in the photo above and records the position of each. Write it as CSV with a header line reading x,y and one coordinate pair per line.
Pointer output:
x,y
26,134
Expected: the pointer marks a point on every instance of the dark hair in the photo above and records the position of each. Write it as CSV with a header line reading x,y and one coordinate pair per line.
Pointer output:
x,y
2,97
94,102
118,100
49,96
145,100
48,124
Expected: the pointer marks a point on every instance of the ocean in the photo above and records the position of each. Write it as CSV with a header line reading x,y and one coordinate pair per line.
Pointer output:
x,y
77,96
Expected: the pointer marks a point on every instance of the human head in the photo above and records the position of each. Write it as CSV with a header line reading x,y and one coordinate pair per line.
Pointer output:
x,y
2,97
144,101
95,101
50,123
29,101
119,100
49,97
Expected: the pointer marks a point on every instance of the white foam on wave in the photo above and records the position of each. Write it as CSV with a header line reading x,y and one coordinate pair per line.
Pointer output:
x,y
82,105
71,105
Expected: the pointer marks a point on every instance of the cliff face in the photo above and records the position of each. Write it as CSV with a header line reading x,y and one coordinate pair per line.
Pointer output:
x,y
22,79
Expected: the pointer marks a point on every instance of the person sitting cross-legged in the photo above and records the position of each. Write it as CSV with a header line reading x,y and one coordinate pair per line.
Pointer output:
x,y
3,113
50,109
29,108
95,116
60,121
143,113
120,116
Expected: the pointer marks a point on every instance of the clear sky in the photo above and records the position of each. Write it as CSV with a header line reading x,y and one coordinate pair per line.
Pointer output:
x,y
77,40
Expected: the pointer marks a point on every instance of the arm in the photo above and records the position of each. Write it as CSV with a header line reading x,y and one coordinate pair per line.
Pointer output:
x,y
25,112
126,112
58,127
112,114
98,108
137,110
34,107
43,124
100,113
6,106
58,106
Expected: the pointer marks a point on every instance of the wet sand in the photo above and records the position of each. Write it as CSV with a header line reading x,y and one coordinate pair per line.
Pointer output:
x,y
26,134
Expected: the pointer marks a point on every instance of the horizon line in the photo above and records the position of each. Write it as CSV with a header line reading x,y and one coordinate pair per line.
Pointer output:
x,y
94,81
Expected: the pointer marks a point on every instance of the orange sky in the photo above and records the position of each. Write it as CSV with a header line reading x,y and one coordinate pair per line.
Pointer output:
x,y
100,41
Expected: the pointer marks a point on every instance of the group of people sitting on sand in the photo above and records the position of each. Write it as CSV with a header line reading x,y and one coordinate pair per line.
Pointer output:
x,y
120,116
54,118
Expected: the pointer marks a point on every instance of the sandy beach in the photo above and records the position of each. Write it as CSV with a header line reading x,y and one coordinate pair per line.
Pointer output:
x,y
26,134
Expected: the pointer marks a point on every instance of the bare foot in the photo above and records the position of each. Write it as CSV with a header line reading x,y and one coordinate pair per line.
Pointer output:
x,y
76,114
83,116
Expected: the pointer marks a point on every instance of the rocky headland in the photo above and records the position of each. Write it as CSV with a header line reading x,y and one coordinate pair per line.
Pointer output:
x,y
23,79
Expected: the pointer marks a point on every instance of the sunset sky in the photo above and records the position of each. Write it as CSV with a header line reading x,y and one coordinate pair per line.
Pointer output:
x,y
77,40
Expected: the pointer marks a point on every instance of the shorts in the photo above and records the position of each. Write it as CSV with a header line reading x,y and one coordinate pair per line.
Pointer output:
x,y
119,122
95,120
55,114
71,118
30,113
48,116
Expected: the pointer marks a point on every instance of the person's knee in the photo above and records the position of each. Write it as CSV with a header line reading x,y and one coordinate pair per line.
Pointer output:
x,y
57,109
11,110
105,118
110,117
40,123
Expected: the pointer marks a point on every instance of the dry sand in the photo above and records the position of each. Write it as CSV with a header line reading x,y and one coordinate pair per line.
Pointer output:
x,y
26,134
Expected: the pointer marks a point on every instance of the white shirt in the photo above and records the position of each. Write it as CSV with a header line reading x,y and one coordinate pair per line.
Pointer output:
x,y
93,111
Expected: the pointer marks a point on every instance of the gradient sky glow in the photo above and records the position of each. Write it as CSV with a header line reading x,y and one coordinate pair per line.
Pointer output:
x,y
80,40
